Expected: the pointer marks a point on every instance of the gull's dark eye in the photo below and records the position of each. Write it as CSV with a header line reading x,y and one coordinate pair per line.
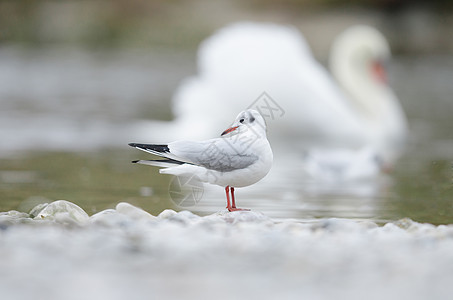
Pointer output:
x,y
242,120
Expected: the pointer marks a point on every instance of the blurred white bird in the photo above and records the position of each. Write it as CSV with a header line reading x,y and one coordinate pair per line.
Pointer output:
x,y
270,68
240,157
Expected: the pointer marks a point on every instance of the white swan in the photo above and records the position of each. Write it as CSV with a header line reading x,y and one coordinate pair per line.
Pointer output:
x,y
356,62
241,61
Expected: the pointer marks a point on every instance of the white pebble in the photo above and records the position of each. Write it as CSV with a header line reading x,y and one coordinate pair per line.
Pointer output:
x,y
63,211
133,212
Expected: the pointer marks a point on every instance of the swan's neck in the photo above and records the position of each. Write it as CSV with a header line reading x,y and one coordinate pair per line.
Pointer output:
x,y
368,95
374,102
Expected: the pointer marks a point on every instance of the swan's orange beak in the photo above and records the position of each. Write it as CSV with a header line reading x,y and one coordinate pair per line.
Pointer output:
x,y
229,130
379,72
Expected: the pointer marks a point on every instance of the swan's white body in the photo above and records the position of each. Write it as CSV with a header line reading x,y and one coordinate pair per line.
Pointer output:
x,y
240,62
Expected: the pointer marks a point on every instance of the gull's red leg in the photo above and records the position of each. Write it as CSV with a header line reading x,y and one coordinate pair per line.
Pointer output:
x,y
234,208
232,198
227,191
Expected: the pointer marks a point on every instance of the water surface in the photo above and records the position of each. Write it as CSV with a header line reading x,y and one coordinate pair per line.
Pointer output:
x,y
67,117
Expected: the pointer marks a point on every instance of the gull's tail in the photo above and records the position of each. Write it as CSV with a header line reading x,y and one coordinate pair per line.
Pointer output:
x,y
159,150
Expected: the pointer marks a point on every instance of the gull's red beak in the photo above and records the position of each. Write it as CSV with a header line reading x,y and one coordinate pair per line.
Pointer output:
x,y
229,130
379,72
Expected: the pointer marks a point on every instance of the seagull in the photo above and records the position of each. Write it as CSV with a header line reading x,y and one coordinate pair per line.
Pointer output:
x,y
240,157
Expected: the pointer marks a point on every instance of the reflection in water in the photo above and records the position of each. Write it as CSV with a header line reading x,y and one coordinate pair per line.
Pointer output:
x,y
288,192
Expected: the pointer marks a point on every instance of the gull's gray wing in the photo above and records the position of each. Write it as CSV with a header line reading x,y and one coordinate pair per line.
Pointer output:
x,y
218,154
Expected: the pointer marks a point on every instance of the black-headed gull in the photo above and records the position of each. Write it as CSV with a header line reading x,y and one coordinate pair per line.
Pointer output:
x,y
240,157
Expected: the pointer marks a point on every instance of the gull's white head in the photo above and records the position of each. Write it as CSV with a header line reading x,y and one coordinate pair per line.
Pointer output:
x,y
248,120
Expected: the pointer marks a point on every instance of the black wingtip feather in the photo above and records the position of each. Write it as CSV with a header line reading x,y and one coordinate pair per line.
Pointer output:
x,y
135,161
154,147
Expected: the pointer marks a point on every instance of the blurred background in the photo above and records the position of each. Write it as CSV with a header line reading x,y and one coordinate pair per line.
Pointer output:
x,y
77,77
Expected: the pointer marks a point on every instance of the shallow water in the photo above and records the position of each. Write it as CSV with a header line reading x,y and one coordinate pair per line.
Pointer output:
x,y
84,109
101,180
